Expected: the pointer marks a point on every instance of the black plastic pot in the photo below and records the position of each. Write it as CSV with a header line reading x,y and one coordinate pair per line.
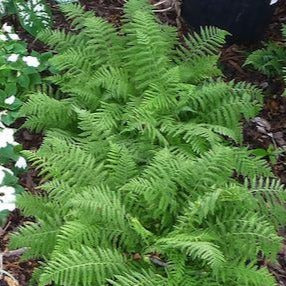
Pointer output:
x,y
246,20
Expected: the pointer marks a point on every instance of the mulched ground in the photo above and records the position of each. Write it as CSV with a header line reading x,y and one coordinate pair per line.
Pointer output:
x,y
268,129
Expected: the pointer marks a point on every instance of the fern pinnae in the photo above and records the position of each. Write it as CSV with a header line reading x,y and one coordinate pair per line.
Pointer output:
x,y
86,266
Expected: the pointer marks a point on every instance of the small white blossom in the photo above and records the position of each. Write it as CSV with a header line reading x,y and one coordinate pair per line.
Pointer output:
x,y
7,198
7,206
14,37
3,38
31,61
10,100
13,58
7,137
6,28
7,193
21,163
3,172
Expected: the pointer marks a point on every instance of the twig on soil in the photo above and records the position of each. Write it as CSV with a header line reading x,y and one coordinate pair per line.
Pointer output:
x,y
17,252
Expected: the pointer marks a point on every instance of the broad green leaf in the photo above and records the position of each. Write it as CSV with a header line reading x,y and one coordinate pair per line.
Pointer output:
x,y
34,15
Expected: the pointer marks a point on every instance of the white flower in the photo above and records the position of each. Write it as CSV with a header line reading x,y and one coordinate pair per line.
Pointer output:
x,y
21,163
13,58
31,61
14,37
7,206
3,172
7,137
6,28
7,198
3,38
10,100
7,193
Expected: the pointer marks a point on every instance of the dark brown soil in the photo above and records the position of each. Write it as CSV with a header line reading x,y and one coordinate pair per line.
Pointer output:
x,y
272,117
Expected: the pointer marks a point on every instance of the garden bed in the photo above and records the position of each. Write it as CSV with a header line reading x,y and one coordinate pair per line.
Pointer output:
x,y
272,119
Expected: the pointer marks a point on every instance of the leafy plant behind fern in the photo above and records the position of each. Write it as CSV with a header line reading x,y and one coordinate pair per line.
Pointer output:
x,y
270,60
139,184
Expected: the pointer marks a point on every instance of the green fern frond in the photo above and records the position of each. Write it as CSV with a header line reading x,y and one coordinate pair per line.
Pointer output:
x,y
250,166
102,122
139,279
207,43
269,60
114,80
254,233
121,165
198,69
39,207
45,112
73,234
195,248
86,267
76,13
270,195
39,238
60,40
247,275
74,61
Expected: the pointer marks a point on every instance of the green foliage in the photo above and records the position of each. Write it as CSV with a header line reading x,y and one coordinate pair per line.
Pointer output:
x,y
33,15
19,73
271,152
269,60
139,162
89,267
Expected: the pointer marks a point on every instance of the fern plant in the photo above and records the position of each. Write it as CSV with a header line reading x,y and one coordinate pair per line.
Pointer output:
x,y
270,60
140,160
